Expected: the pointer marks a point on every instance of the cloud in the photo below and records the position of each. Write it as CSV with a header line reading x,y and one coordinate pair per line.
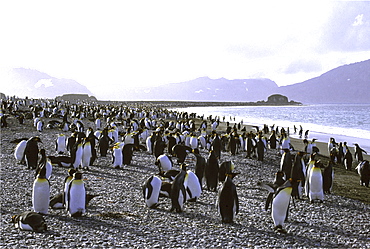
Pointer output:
x,y
359,20
305,66
348,28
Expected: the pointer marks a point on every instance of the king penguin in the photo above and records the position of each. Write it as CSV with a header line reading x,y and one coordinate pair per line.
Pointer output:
x,y
76,153
67,180
31,152
280,206
178,190
309,166
228,202
151,189
19,151
211,172
41,192
164,163
193,187
60,144
117,157
86,154
30,221
315,179
76,201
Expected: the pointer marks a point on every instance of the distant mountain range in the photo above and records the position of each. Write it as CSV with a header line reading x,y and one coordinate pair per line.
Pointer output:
x,y
344,84
35,84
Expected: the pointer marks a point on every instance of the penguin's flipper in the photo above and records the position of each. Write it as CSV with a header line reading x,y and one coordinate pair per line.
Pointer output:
x,y
268,186
269,199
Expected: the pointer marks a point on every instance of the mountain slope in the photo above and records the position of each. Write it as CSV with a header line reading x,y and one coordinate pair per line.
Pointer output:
x,y
35,84
206,89
344,84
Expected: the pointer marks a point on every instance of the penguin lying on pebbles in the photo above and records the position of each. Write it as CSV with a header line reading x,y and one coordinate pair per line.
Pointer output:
x,y
29,221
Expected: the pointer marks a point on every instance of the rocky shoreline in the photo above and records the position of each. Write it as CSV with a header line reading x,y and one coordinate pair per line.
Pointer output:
x,y
118,217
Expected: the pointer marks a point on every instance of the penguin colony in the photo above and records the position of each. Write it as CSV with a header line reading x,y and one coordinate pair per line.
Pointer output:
x,y
183,174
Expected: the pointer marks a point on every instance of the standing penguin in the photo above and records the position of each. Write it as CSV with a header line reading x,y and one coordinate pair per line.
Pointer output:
x,y
76,153
193,187
348,159
117,157
19,151
29,221
228,202
199,166
363,169
40,126
127,152
286,163
260,148
309,166
151,189
272,140
104,141
358,153
328,177
67,180
298,175
76,201
31,152
178,190
315,182
86,154
211,172
60,144
41,193
280,206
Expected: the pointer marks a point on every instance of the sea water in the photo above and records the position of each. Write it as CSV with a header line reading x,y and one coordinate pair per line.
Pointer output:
x,y
345,122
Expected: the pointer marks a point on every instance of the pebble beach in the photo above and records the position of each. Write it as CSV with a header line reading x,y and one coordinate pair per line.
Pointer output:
x,y
119,218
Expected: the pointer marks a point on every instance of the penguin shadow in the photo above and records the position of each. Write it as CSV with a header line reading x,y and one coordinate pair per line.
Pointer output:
x,y
337,205
186,213
97,221
105,174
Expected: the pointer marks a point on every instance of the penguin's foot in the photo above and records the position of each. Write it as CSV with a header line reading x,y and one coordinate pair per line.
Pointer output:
x,y
280,229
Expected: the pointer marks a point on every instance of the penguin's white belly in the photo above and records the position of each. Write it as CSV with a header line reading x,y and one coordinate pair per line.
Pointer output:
x,y
165,163
41,196
153,198
193,142
78,158
19,150
23,226
86,156
193,185
316,188
117,157
280,206
77,198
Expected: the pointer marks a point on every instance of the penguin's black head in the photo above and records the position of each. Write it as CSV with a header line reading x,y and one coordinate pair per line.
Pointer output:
x,y
36,139
183,166
319,164
77,175
71,171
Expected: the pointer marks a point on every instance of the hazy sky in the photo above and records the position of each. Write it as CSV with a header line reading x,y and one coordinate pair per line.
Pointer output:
x,y
137,43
